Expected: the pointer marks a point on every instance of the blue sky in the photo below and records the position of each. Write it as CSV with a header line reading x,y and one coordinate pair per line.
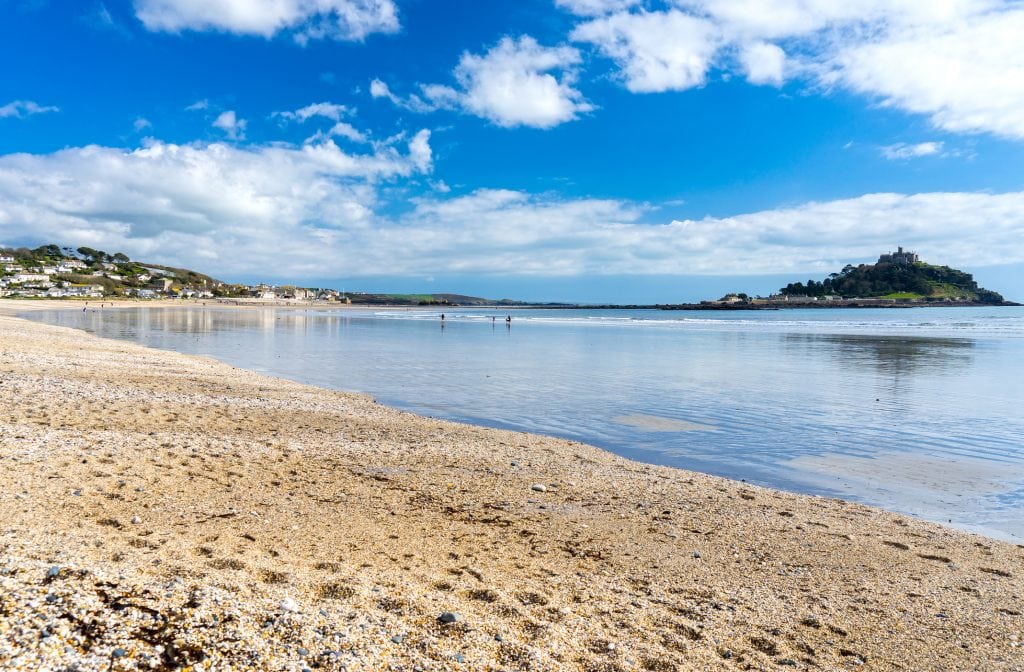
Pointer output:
x,y
587,150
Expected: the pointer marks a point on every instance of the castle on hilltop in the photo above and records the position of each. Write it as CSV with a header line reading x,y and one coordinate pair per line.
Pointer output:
x,y
899,257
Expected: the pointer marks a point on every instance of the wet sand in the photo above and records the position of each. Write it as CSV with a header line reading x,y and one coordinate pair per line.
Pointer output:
x,y
162,511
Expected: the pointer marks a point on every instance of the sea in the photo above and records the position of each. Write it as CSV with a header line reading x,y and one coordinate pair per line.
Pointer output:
x,y
917,410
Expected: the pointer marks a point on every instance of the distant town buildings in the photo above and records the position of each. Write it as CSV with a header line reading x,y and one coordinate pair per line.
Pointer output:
x,y
899,257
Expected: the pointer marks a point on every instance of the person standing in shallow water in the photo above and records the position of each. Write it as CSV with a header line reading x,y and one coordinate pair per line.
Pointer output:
x,y
508,321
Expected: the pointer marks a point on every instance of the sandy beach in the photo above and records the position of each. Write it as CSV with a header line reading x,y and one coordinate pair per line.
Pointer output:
x,y
162,511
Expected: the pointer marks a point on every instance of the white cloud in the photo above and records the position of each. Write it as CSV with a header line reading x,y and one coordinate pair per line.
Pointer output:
x,y
331,111
305,19
141,124
232,126
595,7
511,85
210,206
764,63
958,62
316,211
903,151
348,131
24,108
516,233
967,77
198,106
379,89
657,51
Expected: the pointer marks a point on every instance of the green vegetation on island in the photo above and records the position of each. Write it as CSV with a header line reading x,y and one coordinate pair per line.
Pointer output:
x,y
900,276
897,279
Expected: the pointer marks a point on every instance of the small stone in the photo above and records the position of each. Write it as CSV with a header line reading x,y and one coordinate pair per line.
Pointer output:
x,y
398,639
289,605
77,493
136,520
51,598
538,487
53,572
302,651
447,617
611,646
459,658
696,554
514,463
119,653
499,638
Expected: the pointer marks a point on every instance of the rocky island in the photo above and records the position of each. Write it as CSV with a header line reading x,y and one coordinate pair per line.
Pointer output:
x,y
897,280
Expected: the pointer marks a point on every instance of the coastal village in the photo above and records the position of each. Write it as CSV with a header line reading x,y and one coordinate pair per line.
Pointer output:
x,y
55,272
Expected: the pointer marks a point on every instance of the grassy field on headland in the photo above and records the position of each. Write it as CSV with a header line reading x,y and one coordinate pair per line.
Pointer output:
x,y
162,511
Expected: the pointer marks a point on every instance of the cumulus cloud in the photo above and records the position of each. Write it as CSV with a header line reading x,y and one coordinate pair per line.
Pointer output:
x,y
958,62
305,19
232,126
764,63
211,206
516,83
332,111
595,7
513,232
314,211
24,108
658,51
903,151
967,77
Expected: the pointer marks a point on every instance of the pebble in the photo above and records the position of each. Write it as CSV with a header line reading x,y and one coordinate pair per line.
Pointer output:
x,y
448,617
302,651
53,572
538,487
696,554
119,653
398,639
289,605
136,520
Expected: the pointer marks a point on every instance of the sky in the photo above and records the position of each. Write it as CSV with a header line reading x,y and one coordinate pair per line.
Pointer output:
x,y
628,151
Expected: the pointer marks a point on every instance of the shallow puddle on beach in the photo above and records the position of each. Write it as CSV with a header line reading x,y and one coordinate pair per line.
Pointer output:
x,y
981,495
655,423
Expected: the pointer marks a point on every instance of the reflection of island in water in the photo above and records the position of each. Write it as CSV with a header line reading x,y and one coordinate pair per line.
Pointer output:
x,y
889,354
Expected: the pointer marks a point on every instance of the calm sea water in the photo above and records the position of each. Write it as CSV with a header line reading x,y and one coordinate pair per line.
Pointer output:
x,y
916,410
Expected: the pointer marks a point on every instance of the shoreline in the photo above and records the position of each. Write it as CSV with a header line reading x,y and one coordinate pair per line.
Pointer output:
x,y
254,491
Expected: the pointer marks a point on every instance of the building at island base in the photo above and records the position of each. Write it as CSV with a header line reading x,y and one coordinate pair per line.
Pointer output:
x,y
899,257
